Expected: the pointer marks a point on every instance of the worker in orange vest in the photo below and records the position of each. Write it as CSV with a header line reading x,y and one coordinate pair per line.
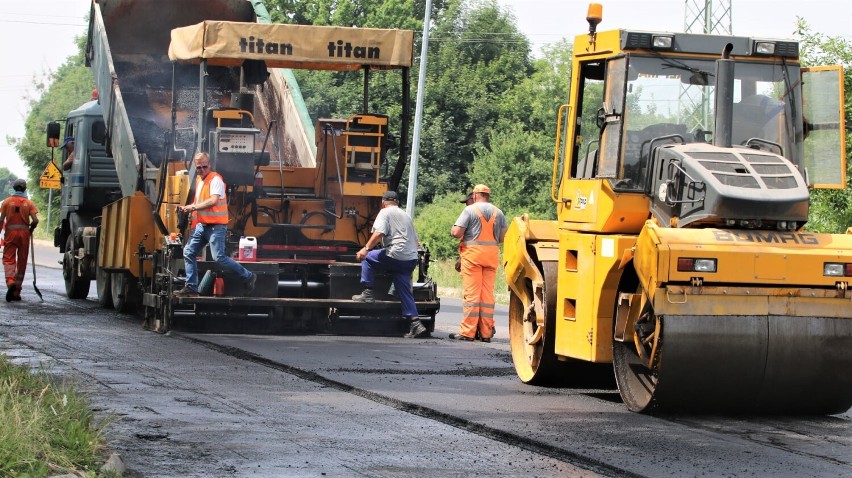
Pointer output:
x,y
19,217
211,207
481,227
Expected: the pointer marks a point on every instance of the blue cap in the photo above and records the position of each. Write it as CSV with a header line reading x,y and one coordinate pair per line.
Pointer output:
x,y
69,139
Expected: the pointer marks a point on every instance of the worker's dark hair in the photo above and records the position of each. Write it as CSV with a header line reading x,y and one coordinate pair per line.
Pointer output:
x,y
19,185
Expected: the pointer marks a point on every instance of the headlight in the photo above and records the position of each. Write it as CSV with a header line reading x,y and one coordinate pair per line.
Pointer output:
x,y
764,48
837,269
662,42
688,264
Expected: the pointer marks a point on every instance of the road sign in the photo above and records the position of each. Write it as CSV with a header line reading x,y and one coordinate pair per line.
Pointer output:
x,y
50,177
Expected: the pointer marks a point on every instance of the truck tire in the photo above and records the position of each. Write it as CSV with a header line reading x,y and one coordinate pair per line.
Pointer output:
x,y
123,291
75,287
104,286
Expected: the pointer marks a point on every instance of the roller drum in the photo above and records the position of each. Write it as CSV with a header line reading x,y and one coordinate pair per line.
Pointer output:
x,y
756,364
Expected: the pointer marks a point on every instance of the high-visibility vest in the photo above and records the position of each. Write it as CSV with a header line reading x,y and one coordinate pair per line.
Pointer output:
x,y
484,250
218,213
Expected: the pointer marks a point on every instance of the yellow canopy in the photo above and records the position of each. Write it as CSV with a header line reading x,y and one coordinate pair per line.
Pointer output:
x,y
292,46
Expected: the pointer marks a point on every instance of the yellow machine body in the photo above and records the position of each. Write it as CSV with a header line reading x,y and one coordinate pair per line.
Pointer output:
x,y
649,259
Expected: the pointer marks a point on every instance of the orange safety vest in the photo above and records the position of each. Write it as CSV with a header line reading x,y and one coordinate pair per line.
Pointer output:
x,y
484,250
17,210
218,213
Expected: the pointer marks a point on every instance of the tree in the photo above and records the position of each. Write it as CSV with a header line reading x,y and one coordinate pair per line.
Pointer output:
x,y
535,100
517,160
6,179
517,165
831,210
478,56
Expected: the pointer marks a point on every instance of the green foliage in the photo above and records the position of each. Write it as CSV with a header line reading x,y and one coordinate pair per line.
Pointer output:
x,y
831,210
517,160
6,178
433,223
535,100
477,56
47,427
517,166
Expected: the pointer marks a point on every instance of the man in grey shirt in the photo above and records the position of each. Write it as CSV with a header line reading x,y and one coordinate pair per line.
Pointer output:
x,y
481,228
394,229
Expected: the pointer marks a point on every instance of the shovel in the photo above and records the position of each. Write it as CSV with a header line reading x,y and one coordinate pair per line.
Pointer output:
x,y
32,257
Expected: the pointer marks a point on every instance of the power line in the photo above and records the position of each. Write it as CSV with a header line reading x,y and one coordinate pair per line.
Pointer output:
x,y
40,15
45,23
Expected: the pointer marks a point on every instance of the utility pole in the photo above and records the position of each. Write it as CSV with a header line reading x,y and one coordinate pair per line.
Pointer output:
x,y
418,113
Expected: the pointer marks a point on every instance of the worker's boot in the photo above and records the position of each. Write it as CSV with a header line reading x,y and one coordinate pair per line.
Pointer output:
x,y
417,330
366,296
186,292
250,282
10,294
17,294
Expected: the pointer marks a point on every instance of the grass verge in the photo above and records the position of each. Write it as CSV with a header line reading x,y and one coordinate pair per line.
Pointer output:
x,y
47,427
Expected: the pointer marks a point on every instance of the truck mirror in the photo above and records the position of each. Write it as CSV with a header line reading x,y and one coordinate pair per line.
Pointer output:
x,y
53,133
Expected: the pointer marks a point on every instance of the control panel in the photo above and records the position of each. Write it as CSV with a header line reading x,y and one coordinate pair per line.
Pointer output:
x,y
236,141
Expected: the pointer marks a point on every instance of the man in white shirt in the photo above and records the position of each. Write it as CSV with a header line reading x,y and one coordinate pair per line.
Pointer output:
x,y
394,229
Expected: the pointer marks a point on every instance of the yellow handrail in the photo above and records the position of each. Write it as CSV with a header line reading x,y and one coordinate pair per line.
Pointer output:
x,y
560,114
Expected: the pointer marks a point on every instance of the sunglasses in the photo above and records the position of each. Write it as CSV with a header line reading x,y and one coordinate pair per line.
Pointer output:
x,y
206,166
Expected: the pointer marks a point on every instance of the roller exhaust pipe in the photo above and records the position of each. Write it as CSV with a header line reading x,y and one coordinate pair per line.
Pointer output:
x,y
723,128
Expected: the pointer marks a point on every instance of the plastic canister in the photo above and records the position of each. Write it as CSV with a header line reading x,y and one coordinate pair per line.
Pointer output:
x,y
248,249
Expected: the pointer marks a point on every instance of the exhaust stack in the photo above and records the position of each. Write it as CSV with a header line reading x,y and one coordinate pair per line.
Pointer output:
x,y
724,99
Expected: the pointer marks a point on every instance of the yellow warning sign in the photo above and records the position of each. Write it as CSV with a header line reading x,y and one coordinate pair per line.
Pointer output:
x,y
50,177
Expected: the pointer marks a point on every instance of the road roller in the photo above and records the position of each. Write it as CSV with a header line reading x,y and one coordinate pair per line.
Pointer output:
x,y
682,174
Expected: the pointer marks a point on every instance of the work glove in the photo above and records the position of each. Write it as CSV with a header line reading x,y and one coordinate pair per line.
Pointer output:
x,y
32,228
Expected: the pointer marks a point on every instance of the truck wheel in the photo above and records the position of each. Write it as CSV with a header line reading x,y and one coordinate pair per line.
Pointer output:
x,y
104,285
75,288
532,339
124,292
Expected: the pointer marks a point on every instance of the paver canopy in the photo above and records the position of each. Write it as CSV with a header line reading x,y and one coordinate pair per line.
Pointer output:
x,y
292,46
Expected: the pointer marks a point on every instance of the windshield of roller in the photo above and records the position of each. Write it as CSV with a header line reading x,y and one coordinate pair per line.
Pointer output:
x,y
652,101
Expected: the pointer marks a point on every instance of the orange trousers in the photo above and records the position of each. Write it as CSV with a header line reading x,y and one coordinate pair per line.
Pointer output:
x,y
16,250
478,304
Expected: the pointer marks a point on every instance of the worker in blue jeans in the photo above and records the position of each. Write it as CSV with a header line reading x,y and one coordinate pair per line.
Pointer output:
x,y
394,229
211,207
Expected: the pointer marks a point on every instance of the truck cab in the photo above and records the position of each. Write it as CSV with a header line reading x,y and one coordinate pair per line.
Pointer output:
x,y
91,183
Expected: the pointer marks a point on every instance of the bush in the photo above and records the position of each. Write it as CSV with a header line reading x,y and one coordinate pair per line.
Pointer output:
x,y
433,224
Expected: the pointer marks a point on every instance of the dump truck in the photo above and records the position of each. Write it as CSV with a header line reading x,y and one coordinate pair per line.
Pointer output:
x,y
681,179
178,77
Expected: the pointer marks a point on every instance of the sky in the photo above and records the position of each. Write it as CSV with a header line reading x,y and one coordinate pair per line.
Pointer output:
x,y
38,35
